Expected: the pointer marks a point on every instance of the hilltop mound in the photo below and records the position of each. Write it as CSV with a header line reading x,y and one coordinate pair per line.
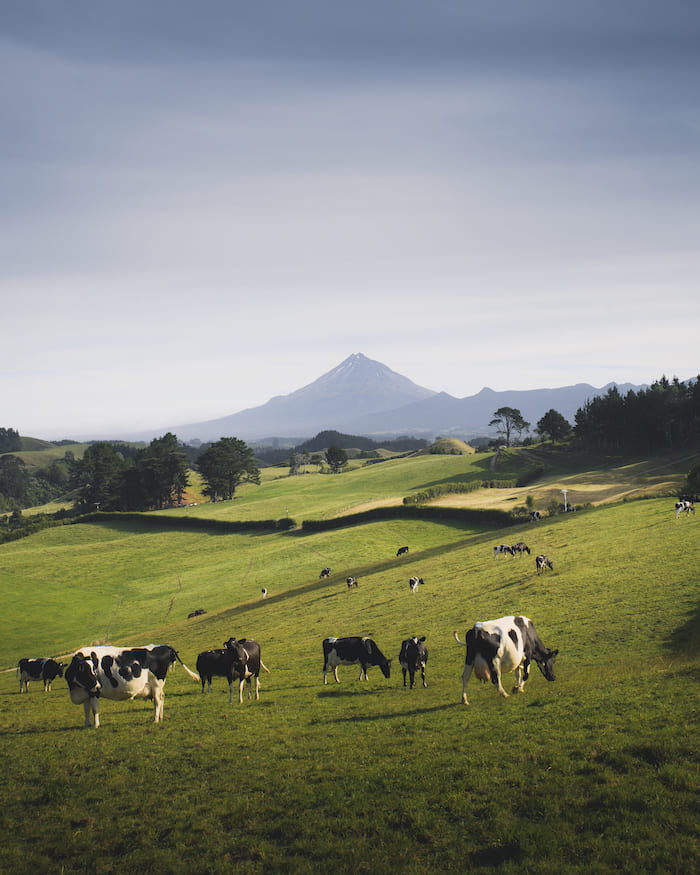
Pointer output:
x,y
449,447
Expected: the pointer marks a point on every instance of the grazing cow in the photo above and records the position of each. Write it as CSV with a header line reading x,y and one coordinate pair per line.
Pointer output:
x,y
353,651
264,592
325,572
413,656
402,551
218,663
197,613
685,506
351,582
42,669
502,548
542,564
415,582
535,515
247,662
497,647
520,548
121,673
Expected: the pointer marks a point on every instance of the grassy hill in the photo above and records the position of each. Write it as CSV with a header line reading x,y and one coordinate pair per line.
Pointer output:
x,y
597,771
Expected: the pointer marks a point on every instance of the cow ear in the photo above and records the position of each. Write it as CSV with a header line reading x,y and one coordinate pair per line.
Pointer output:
x,y
422,639
553,653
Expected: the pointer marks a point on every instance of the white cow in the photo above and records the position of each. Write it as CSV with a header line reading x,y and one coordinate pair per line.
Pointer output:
x,y
496,647
120,673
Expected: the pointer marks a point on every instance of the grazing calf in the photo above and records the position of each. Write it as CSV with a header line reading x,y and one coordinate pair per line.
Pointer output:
x,y
42,669
535,516
413,656
415,582
497,647
402,551
353,651
685,506
247,662
351,582
120,673
325,572
520,548
502,548
542,564
196,613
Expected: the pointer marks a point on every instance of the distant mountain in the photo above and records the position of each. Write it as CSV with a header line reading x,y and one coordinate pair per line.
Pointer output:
x,y
357,387
364,397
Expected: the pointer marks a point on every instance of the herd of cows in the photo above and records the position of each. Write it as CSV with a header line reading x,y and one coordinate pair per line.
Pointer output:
x,y
493,648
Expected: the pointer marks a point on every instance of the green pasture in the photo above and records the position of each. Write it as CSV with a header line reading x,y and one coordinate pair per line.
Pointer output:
x,y
596,772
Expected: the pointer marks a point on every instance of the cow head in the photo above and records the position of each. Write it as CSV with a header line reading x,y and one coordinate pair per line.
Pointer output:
x,y
385,667
81,674
545,663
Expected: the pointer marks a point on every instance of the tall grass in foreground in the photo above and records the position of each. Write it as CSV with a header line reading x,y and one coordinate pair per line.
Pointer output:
x,y
596,772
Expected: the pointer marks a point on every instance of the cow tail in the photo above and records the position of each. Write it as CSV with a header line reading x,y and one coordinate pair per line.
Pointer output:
x,y
262,665
462,643
192,674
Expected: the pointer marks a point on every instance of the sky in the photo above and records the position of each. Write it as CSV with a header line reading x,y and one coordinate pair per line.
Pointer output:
x,y
204,205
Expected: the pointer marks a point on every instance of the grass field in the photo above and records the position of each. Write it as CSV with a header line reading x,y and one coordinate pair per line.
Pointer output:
x,y
595,772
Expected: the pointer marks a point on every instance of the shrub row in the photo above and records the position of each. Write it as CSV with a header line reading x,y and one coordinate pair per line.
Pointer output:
x,y
451,514
189,522
456,488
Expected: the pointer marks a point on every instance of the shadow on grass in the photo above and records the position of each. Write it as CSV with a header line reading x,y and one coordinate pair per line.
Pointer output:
x,y
686,638
394,715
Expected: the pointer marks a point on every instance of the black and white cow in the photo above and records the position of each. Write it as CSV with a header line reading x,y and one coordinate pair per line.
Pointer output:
x,y
502,548
684,506
247,662
496,647
402,551
520,548
42,669
218,663
535,515
413,656
263,592
351,582
120,673
354,650
542,564
325,572
415,582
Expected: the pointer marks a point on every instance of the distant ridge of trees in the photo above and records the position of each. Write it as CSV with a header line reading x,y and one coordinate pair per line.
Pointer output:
x,y
664,416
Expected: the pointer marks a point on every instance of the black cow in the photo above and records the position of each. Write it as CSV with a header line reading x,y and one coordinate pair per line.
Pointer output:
x,y
42,669
218,663
353,651
325,572
496,647
520,548
542,564
413,656
197,613
351,582
247,663
402,551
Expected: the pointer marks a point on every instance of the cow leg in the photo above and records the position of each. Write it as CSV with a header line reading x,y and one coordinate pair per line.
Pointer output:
x,y
335,674
412,675
241,684
92,705
422,674
159,700
230,691
404,676
466,674
496,679
257,687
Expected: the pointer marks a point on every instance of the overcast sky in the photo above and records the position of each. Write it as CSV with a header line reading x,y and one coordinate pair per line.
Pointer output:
x,y
203,205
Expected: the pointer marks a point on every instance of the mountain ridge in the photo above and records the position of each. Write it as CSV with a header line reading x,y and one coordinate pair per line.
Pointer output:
x,y
363,396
